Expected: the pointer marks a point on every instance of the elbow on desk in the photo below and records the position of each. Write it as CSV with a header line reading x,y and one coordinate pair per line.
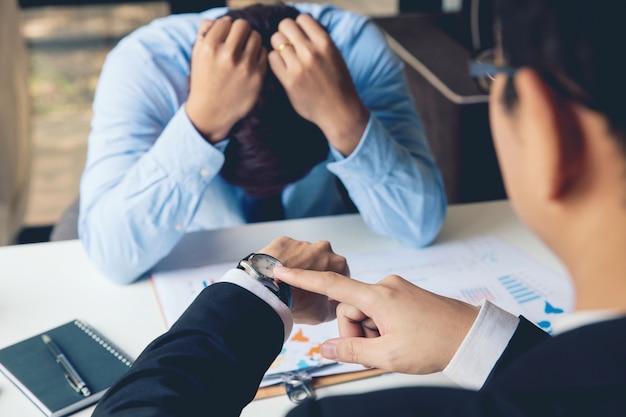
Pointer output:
x,y
423,230
421,237
118,272
417,234
114,267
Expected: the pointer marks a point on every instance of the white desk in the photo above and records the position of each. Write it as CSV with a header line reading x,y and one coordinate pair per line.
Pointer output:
x,y
44,285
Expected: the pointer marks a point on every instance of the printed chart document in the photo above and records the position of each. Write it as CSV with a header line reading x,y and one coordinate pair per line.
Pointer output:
x,y
470,270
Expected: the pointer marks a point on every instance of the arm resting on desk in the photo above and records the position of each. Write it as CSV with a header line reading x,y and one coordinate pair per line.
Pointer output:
x,y
211,360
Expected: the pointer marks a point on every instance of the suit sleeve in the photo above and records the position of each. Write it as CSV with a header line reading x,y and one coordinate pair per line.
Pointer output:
x,y
210,362
525,337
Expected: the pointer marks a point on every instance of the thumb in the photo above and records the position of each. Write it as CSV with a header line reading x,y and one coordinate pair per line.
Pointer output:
x,y
361,350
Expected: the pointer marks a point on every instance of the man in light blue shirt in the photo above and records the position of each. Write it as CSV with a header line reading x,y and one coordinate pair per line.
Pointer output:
x,y
156,153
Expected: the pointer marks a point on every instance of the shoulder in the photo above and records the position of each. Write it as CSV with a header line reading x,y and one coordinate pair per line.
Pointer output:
x,y
344,26
169,36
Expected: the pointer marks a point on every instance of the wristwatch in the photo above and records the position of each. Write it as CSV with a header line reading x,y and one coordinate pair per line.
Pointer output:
x,y
261,268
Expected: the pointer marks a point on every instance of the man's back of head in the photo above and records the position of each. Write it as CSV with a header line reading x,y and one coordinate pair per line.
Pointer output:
x,y
575,46
272,146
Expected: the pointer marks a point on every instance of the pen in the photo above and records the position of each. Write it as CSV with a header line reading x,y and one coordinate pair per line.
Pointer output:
x,y
72,376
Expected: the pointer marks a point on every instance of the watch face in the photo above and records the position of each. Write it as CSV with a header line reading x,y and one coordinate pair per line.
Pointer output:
x,y
265,264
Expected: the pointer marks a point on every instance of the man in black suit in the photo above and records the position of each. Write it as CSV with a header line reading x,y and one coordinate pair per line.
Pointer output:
x,y
556,84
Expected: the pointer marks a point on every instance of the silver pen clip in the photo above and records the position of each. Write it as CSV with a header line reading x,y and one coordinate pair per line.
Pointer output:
x,y
73,384
71,375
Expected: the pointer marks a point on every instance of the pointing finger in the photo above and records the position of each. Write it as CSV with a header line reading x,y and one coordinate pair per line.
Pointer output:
x,y
335,286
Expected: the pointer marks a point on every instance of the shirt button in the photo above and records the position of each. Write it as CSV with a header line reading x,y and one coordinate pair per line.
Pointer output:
x,y
179,227
205,172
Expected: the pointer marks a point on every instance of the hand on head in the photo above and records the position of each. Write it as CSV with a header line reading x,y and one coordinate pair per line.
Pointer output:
x,y
392,325
311,69
228,65
308,307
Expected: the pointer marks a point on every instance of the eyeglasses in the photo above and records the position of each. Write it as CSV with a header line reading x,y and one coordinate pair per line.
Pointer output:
x,y
483,69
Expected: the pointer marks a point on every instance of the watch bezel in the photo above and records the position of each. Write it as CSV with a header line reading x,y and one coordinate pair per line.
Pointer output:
x,y
280,289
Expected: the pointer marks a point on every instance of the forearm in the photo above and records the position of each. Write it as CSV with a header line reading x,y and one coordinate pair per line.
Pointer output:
x,y
391,176
212,359
137,199
398,192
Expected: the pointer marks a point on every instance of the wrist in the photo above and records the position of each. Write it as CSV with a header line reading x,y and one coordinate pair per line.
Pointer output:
x,y
345,130
260,267
212,134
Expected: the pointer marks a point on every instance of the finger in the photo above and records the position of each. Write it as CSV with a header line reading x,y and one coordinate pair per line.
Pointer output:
x,y
292,31
277,64
311,28
261,60
369,328
203,28
280,42
367,352
219,30
335,286
277,39
275,59
349,321
238,36
254,47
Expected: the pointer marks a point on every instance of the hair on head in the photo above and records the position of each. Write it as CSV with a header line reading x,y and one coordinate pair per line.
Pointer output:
x,y
575,46
273,145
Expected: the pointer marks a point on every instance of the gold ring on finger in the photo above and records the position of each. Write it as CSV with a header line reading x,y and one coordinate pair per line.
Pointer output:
x,y
283,45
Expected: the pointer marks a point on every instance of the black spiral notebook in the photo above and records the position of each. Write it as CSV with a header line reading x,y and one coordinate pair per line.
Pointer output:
x,y
31,366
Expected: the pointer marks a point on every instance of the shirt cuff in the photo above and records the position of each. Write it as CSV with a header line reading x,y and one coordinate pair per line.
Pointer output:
x,y
487,339
242,279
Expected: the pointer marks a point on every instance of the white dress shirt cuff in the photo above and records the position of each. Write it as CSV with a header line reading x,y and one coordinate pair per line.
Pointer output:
x,y
482,347
242,279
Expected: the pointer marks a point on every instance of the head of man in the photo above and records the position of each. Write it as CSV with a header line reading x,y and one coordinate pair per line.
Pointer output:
x,y
272,146
557,113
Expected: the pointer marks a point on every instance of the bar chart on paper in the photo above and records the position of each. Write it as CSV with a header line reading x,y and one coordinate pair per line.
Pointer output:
x,y
471,270
530,299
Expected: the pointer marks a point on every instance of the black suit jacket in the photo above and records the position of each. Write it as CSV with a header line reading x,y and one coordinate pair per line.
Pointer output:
x,y
211,361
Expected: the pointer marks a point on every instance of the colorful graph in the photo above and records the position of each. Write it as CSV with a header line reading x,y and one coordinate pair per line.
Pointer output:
x,y
476,295
531,300
301,351
521,292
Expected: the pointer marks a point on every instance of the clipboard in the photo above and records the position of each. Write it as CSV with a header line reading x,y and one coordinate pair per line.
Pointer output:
x,y
318,382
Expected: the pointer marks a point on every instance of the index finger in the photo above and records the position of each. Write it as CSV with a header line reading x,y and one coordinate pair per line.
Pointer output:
x,y
331,284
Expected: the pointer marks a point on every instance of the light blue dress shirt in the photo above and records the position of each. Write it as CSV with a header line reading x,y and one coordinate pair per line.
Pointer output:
x,y
150,176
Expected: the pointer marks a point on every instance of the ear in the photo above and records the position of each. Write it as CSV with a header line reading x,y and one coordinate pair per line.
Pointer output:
x,y
552,133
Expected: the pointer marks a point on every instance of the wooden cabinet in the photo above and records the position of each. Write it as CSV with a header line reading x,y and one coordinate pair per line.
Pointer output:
x,y
453,110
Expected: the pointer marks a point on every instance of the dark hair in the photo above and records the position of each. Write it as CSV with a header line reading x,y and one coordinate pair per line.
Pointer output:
x,y
575,45
272,146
